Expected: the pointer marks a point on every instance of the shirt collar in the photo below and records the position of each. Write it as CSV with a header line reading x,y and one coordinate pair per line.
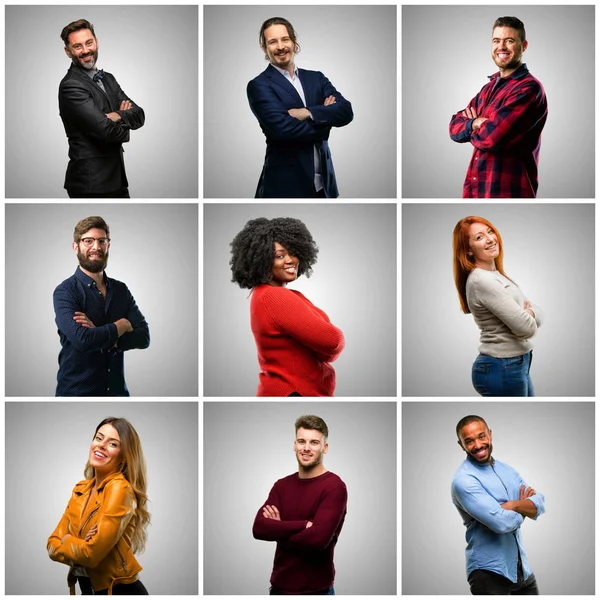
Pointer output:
x,y
516,74
86,279
479,465
286,73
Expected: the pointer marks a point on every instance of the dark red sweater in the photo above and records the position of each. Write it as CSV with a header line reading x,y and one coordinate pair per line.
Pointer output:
x,y
295,342
304,557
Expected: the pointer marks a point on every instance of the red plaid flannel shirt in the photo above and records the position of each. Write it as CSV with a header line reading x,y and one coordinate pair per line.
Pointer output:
x,y
506,146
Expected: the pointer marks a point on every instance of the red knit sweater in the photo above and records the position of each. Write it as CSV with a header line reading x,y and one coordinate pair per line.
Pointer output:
x,y
304,557
295,342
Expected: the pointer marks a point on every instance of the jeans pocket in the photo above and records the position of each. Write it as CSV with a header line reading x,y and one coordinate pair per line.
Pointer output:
x,y
479,377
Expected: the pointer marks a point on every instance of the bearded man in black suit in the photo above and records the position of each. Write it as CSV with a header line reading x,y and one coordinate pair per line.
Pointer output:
x,y
97,116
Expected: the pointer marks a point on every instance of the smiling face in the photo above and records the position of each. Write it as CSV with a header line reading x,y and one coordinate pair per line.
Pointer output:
x,y
105,450
507,49
285,266
279,46
92,258
309,446
82,48
476,440
483,245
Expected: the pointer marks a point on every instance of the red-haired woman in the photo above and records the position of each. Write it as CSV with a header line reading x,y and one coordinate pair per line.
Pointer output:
x,y
507,320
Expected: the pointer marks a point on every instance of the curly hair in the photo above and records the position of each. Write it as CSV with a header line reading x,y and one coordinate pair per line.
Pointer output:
x,y
252,249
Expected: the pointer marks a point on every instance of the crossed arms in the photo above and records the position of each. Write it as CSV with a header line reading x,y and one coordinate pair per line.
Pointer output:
x,y
315,533
475,500
114,514
128,332
503,127
307,124
78,108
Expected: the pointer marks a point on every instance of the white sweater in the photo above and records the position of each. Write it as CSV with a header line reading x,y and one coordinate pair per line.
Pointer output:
x,y
497,306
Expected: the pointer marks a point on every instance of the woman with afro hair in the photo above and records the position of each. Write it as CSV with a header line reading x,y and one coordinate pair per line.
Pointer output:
x,y
295,339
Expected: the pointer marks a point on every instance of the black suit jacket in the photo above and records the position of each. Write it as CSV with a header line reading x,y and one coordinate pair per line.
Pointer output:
x,y
289,168
95,141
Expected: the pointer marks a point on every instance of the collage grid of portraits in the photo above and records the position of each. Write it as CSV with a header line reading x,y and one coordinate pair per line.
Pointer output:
x,y
384,270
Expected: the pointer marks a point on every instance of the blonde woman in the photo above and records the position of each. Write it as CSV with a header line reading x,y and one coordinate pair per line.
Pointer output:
x,y
105,522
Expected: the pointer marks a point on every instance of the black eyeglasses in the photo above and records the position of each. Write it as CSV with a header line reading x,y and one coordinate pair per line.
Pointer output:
x,y
89,241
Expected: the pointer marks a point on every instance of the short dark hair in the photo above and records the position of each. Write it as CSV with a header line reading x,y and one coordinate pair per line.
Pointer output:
x,y
513,22
467,421
75,26
312,422
278,21
87,224
252,249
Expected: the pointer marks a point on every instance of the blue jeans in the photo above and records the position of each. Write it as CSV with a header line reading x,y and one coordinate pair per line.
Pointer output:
x,y
273,591
503,376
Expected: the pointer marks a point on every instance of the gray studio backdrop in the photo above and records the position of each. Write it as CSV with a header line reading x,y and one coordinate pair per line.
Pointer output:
x,y
154,251
446,61
354,282
333,40
550,444
153,53
548,252
47,446
239,474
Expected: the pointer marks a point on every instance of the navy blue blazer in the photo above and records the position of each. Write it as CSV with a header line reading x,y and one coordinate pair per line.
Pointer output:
x,y
289,169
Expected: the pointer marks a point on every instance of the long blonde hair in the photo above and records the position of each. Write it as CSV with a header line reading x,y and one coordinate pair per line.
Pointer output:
x,y
133,467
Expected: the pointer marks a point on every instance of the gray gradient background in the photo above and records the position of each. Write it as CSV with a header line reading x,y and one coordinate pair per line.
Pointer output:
x,y
153,53
47,445
446,60
154,251
238,476
354,282
550,444
334,41
548,252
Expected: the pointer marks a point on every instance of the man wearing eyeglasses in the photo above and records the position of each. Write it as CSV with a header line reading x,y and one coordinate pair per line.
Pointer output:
x,y
97,320
97,116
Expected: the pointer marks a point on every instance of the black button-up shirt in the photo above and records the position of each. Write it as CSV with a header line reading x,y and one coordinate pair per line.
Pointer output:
x,y
91,359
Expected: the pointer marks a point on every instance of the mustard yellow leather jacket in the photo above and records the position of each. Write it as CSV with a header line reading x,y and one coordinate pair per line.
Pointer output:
x,y
107,557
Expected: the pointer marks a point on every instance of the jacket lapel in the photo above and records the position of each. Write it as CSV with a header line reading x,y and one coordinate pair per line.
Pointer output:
x,y
89,83
280,81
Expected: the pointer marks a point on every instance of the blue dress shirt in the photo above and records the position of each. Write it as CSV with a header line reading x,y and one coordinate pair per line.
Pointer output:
x,y
493,534
89,363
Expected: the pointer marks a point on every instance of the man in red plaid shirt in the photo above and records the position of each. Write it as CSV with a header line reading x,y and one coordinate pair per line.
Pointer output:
x,y
504,122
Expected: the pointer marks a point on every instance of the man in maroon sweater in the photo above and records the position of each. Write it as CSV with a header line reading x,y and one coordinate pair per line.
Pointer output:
x,y
304,514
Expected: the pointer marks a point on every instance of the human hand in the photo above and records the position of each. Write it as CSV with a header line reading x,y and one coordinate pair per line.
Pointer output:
x,y
91,533
308,524
271,512
123,326
526,492
83,320
528,309
125,105
64,538
299,113
329,100
114,116
469,113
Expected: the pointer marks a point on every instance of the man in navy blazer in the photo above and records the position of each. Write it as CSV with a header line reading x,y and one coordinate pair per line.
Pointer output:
x,y
296,110
97,116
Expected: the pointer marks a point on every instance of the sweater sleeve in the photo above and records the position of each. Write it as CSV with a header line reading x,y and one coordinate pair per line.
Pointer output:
x,y
114,515
330,512
272,530
491,293
297,319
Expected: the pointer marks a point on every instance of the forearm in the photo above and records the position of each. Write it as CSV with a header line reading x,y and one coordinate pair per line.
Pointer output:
x,y
272,530
526,508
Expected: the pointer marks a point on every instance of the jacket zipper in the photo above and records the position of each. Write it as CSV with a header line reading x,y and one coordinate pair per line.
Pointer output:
x,y
520,575
95,510
122,559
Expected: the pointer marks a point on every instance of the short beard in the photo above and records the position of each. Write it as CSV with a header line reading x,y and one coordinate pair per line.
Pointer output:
x,y
314,463
489,455
93,266
78,62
